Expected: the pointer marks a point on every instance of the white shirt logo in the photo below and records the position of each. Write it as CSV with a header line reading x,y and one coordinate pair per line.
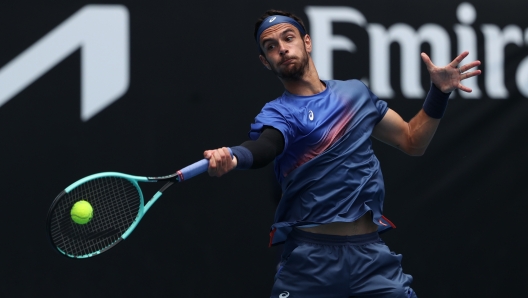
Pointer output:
x,y
284,295
310,115
272,19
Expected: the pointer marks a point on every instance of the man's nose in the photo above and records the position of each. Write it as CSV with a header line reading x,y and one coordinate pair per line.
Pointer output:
x,y
282,49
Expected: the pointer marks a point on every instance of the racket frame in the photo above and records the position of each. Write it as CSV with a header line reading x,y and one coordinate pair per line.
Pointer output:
x,y
185,173
143,208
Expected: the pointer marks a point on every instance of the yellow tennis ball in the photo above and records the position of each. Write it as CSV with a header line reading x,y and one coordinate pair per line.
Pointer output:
x,y
81,212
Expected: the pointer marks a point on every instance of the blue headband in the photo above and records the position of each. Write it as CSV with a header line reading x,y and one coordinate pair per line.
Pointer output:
x,y
274,20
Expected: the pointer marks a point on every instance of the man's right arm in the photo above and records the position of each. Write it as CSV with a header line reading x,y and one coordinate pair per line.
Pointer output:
x,y
249,155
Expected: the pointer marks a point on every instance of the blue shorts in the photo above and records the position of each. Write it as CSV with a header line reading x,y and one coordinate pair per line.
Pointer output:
x,y
317,265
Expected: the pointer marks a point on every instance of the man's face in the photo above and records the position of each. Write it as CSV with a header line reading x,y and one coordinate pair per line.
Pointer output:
x,y
285,51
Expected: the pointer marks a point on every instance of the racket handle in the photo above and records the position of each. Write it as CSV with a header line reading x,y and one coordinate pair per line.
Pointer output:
x,y
196,168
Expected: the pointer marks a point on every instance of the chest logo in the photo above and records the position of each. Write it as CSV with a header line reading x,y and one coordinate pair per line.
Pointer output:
x,y
310,115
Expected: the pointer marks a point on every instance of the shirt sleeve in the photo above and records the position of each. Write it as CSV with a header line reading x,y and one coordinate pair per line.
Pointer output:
x,y
381,106
275,116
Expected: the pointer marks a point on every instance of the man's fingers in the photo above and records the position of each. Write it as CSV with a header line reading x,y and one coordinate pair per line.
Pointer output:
x,y
464,88
427,60
459,59
227,153
231,162
452,74
212,164
467,75
223,160
469,66
220,161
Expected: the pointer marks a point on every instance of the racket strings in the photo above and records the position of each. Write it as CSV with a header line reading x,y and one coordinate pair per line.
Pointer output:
x,y
116,202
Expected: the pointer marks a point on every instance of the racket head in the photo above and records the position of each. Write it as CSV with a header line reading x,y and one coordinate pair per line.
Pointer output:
x,y
117,203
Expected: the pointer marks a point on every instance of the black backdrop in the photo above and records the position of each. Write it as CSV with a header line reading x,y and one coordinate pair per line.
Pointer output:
x,y
195,84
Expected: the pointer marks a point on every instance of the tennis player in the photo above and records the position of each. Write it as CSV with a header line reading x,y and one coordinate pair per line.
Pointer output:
x,y
319,135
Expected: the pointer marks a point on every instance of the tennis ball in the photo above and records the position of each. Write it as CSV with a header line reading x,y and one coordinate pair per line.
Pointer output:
x,y
81,212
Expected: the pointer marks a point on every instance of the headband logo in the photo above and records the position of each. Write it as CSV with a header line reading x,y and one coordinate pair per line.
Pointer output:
x,y
272,19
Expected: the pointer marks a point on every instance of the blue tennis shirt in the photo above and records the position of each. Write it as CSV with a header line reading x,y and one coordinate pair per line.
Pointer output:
x,y
328,171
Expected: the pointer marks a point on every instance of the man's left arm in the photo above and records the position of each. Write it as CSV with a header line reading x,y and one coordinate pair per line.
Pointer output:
x,y
414,136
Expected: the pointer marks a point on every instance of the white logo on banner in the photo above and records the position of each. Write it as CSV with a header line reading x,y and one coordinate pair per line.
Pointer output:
x,y
410,40
102,34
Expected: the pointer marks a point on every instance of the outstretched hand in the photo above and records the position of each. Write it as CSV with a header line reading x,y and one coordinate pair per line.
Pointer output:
x,y
449,77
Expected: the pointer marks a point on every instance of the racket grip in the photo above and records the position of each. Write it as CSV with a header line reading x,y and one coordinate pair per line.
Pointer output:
x,y
196,168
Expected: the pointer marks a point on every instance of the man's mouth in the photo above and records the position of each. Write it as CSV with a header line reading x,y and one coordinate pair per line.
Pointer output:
x,y
287,61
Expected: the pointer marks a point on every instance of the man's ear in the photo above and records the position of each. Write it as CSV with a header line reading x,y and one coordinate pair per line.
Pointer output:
x,y
265,62
308,43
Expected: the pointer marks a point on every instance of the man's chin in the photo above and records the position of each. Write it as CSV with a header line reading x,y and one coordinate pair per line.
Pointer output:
x,y
291,75
291,72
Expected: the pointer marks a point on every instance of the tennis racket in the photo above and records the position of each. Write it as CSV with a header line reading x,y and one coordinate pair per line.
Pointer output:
x,y
118,207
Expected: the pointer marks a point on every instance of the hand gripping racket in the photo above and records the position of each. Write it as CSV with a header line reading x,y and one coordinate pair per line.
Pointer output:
x,y
118,206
